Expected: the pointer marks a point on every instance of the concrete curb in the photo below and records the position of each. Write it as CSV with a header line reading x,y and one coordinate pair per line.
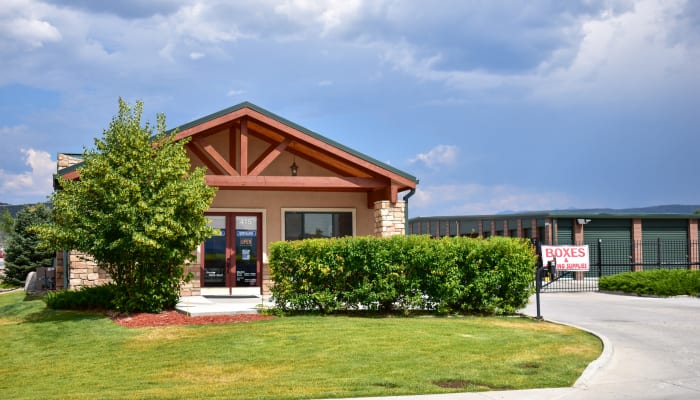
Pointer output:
x,y
596,365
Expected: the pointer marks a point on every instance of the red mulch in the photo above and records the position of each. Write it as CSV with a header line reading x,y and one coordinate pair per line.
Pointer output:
x,y
168,318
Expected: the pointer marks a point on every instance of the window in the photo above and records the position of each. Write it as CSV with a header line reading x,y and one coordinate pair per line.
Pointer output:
x,y
316,224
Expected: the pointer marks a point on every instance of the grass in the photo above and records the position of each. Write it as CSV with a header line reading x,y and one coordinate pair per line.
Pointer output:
x,y
660,282
65,354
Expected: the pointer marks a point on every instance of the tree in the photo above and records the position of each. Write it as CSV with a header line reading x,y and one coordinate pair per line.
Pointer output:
x,y
23,253
137,209
6,223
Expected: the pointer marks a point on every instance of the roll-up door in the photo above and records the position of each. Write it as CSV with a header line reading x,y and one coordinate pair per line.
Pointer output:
x,y
565,231
615,236
469,227
665,243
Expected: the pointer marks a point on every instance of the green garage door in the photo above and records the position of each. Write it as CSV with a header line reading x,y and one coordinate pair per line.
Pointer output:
x,y
615,236
665,243
565,231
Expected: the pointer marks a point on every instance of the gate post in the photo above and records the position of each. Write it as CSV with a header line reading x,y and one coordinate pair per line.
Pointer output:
x,y
600,258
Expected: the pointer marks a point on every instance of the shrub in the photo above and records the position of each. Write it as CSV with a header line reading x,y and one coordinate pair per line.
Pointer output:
x,y
403,273
86,298
654,283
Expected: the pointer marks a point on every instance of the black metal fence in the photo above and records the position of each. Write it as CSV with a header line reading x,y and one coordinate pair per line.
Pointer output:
x,y
611,257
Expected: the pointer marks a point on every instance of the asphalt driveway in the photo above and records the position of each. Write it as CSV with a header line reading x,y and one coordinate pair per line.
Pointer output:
x,y
652,349
653,343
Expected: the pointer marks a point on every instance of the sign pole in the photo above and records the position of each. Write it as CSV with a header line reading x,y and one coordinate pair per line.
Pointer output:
x,y
538,280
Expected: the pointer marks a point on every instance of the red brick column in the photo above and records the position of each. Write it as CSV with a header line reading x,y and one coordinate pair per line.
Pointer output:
x,y
578,240
548,231
693,242
637,251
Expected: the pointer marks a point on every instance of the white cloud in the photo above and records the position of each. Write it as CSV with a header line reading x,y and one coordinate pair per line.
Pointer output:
x,y
34,32
196,55
439,156
615,55
329,15
37,181
25,22
235,92
325,83
476,199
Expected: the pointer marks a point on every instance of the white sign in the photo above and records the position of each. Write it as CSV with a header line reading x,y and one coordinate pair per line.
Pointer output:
x,y
568,258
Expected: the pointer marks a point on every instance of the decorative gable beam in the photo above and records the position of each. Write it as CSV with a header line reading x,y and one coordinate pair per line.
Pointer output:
x,y
389,191
328,148
211,153
309,183
268,157
202,156
244,147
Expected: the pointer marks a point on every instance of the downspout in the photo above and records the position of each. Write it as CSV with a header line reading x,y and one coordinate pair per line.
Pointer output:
x,y
405,210
66,270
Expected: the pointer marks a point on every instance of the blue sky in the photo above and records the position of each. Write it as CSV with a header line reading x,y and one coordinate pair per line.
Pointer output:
x,y
493,105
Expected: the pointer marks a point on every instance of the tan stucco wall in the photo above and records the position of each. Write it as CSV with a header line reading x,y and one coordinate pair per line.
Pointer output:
x,y
273,202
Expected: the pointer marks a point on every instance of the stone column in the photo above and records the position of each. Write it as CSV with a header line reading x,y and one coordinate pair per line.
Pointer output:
x,y
390,218
66,160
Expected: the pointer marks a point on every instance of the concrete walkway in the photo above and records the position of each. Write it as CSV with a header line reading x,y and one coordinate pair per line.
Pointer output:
x,y
652,349
196,306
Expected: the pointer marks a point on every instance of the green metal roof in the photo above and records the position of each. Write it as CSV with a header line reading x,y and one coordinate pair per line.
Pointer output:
x,y
291,124
612,214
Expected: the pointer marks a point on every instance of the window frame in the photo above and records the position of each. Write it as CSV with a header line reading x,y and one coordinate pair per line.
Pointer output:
x,y
321,210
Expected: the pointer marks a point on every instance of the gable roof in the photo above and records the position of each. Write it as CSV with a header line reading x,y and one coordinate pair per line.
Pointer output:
x,y
240,109
300,140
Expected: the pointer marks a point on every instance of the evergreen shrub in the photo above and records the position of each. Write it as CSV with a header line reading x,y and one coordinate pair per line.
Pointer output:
x,y
449,275
660,282
86,298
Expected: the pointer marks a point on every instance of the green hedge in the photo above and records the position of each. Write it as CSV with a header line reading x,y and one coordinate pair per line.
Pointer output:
x,y
654,283
448,275
86,298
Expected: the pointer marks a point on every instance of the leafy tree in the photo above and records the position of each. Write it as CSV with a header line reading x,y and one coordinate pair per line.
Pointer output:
x,y
137,209
23,253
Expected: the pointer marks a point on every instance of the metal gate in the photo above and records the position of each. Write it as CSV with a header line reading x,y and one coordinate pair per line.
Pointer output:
x,y
611,257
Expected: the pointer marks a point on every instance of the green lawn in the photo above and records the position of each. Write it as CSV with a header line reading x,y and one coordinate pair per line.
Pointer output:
x,y
59,354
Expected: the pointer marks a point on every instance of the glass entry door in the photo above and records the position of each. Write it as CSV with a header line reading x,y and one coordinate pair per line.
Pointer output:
x,y
231,256
246,250
215,255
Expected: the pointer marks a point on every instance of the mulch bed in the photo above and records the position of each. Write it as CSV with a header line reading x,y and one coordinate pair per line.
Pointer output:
x,y
169,318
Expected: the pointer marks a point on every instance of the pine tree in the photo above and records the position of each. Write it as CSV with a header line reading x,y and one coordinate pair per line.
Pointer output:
x,y
23,254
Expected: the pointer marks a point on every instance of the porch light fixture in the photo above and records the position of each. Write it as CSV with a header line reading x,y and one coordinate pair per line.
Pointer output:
x,y
294,168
